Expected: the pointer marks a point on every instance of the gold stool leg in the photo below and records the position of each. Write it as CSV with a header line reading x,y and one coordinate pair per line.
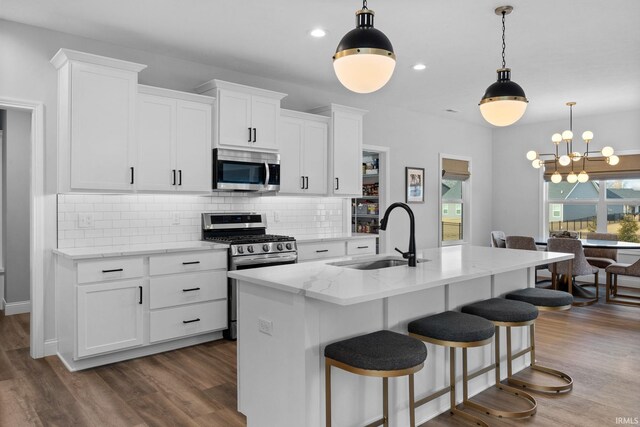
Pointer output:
x,y
327,392
537,387
385,401
412,407
518,393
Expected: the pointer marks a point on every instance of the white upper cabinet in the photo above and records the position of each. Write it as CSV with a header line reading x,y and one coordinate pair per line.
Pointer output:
x,y
345,149
246,117
303,153
96,121
174,141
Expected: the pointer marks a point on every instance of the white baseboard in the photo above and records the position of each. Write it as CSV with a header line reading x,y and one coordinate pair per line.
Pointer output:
x,y
11,308
51,347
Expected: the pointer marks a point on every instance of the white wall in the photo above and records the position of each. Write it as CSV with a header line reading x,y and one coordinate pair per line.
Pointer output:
x,y
16,178
416,139
517,185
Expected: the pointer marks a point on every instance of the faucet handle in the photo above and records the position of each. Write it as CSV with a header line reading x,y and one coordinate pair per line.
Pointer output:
x,y
404,254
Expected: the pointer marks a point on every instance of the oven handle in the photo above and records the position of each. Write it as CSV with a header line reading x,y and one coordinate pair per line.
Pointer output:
x,y
266,170
266,260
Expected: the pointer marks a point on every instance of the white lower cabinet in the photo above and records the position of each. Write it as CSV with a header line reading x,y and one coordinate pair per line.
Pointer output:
x,y
187,320
116,308
313,251
110,316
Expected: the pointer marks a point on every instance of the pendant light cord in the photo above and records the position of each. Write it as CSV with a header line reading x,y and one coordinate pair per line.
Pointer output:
x,y
364,5
504,64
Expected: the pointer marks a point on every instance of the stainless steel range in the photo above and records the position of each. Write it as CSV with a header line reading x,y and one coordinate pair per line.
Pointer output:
x,y
249,247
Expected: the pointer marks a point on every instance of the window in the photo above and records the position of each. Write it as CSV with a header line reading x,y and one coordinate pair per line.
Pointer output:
x,y
606,206
454,200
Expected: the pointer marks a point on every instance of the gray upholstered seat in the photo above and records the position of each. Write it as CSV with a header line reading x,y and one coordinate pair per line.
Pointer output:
x,y
453,326
625,269
502,310
526,243
378,351
497,239
572,246
542,297
601,257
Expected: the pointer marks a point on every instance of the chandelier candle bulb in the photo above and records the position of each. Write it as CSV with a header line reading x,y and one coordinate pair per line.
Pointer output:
x,y
556,177
556,138
583,177
572,178
564,160
613,160
607,151
532,155
587,135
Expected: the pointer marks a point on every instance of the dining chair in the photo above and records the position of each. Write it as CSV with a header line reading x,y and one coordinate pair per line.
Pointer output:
x,y
498,239
611,288
529,244
601,257
573,268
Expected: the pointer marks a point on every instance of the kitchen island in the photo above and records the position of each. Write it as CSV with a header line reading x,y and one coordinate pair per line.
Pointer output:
x,y
288,314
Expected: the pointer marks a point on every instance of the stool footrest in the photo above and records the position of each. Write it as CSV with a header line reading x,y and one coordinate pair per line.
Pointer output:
x,y
432,396
459,412
506,414
380,422
545,388
481,371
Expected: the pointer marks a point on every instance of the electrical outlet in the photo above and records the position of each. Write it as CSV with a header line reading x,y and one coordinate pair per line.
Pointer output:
x,y
175,218
265,326
276,216
85,220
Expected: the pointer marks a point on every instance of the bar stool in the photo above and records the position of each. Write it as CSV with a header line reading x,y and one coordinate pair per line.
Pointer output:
x,y
453,329
544,300
379,354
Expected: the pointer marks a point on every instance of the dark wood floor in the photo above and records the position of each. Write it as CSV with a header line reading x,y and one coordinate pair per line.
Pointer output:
x,y
598,345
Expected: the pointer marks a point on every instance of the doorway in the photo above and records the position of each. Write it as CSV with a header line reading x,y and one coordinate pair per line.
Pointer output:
x,y
32,213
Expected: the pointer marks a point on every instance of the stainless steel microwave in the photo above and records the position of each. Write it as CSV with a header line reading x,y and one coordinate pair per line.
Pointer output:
x,y
237,170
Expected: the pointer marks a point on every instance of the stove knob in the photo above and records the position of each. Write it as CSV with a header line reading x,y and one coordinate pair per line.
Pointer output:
x,y
280,247
289,246
240,250
266,247
250,248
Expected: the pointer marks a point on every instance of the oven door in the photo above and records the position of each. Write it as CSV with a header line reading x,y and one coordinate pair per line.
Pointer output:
x,y
244,263
245,171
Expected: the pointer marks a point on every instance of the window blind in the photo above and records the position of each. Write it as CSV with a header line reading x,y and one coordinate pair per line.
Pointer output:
x,y
455,169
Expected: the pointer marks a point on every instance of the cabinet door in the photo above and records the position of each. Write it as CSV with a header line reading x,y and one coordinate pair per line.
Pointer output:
x,y
315,157
234,123
109,317
194,146
347,154
291,137
156,143
102,127
265,115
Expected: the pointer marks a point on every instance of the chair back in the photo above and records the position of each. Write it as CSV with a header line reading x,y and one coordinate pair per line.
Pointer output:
x,y
602,252
571,246
521,242
498,239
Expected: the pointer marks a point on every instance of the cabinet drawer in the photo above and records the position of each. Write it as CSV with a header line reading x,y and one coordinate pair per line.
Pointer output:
x,y
188,320
109,269
361,247
179,289
312,251
187,262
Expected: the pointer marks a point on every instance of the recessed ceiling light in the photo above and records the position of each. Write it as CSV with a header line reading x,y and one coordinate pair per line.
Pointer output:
x,y
419,67
317,33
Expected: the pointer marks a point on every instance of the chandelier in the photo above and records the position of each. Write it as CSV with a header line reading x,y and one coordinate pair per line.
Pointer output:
x,y
571,157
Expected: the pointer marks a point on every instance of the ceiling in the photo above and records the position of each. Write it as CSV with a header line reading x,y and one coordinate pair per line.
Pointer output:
x,y
559,50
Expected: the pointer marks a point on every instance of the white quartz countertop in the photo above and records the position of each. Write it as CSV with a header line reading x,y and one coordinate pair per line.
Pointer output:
x,y
147,249
345,286
334,237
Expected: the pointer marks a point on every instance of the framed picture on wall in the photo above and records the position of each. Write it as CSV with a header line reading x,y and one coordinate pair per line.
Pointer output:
x,y
414,187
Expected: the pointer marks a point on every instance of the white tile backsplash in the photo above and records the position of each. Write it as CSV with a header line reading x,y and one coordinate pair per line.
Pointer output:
x,y
146,218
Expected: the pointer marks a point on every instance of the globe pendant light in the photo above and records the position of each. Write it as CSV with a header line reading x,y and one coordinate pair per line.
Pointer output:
x,y
364,59
504,102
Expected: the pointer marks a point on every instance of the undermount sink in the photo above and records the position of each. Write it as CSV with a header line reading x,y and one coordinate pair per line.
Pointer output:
x,y
374,264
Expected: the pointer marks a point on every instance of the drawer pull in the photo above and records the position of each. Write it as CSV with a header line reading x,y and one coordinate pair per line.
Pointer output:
x,y
191,321
322,250
113,270
190,289
191,262
363,247
140,300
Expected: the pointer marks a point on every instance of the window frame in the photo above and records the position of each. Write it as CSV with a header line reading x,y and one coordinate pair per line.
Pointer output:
x,y
466,213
